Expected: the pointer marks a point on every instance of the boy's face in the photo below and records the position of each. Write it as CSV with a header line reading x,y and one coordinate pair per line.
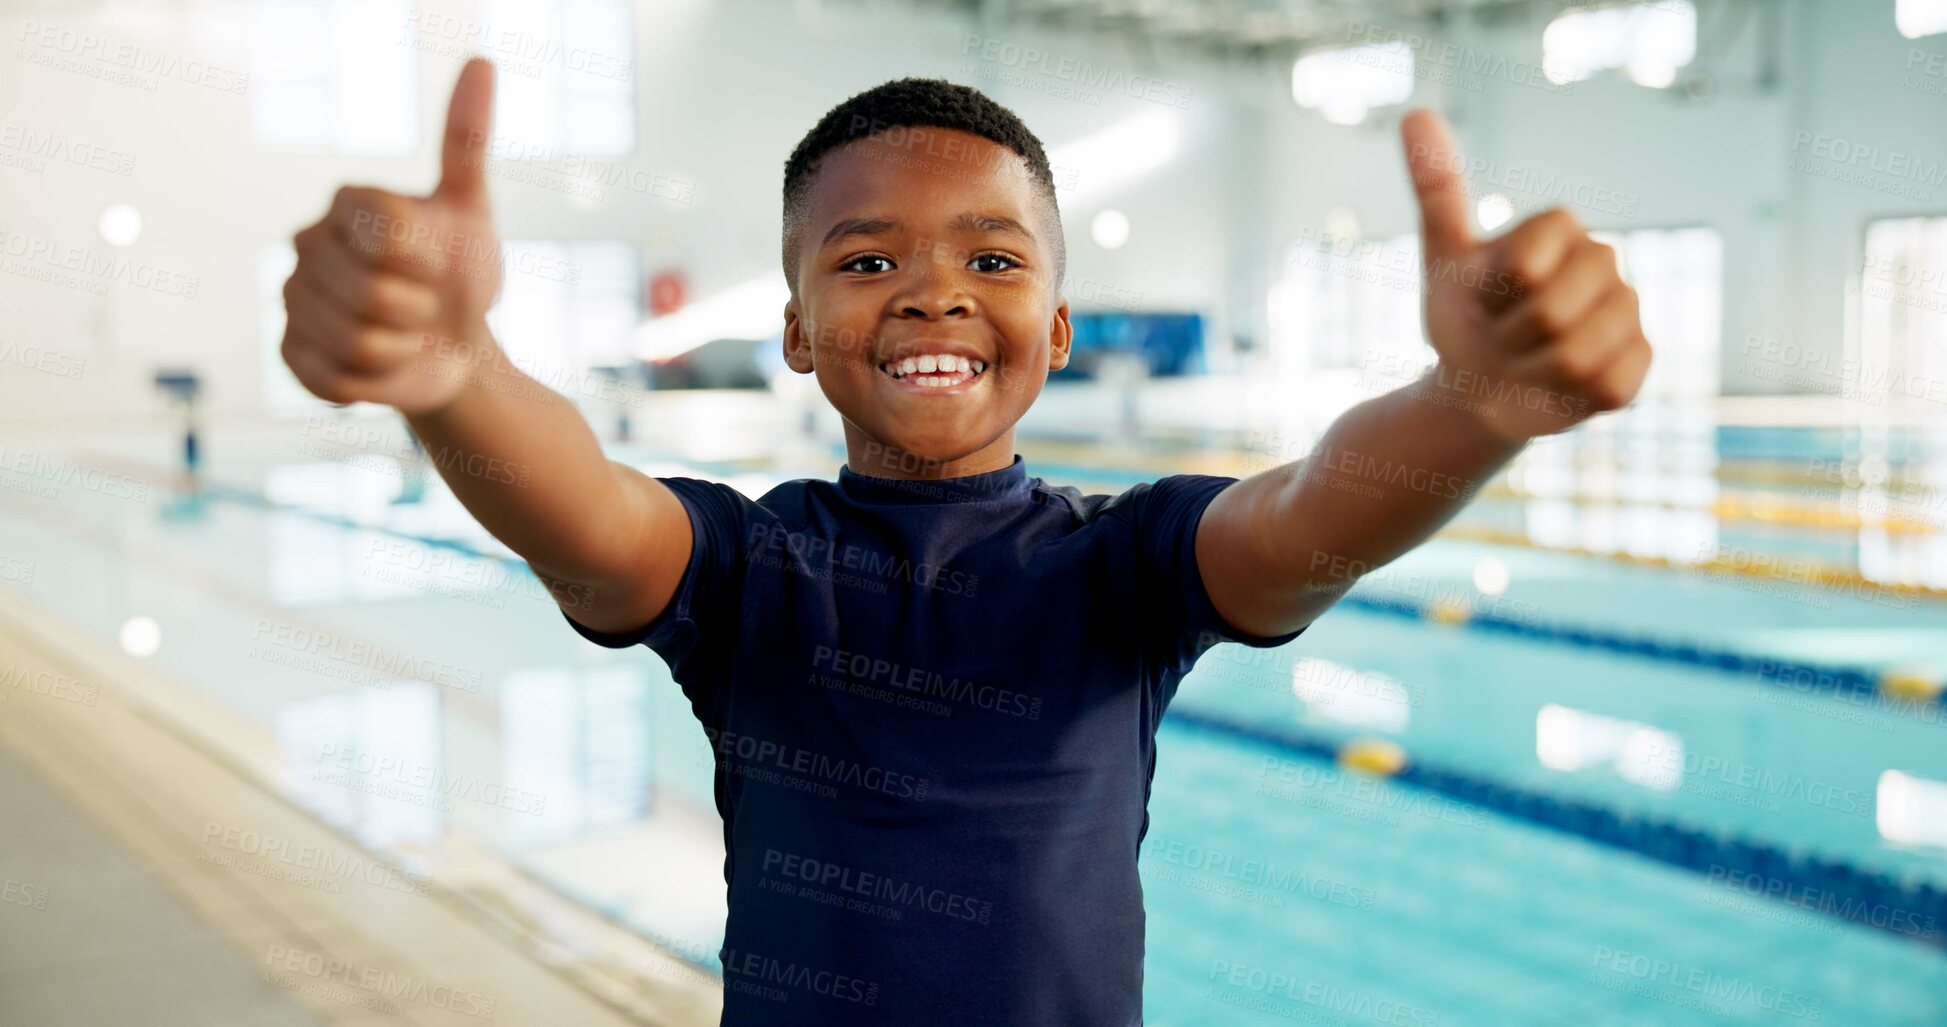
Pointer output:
x,y
924,243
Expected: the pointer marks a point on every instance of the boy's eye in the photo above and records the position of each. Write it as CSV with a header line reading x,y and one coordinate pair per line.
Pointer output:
x,y
853,264
1002,257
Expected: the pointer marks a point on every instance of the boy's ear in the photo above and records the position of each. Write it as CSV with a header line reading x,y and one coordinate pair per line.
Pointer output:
x,y
797,348
1061,334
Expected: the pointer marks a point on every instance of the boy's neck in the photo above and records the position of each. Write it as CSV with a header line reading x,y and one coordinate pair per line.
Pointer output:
x,y
876,459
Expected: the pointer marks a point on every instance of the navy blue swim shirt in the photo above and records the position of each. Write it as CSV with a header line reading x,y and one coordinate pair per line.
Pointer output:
x,y
933,707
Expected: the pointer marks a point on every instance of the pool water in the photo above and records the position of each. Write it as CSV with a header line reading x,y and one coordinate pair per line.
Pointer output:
x,y
1279,887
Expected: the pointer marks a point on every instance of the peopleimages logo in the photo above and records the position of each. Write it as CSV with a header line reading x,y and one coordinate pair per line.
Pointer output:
x,y
1445,62
85,52
376,982
453,36
45,146
1880,915
821,558
1704,985
1074,71
876,887
750,756
42,257
752,973
927,683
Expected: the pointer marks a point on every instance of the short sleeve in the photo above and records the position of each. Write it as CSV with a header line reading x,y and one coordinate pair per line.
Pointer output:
x,y
696,633
1178,611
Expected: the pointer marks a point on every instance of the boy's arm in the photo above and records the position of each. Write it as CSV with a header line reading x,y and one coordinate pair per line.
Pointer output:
x,y
610,542
1535,331
388,305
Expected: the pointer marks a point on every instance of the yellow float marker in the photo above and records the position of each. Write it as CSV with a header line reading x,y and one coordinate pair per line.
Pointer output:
x,y
1911,685
1450,611
1373,756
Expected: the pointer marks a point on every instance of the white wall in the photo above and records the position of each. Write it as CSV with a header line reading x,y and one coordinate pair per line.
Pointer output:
x,y
726,89
1790,239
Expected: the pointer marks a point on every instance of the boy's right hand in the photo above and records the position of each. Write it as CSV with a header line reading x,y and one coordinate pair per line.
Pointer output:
x,y
389,300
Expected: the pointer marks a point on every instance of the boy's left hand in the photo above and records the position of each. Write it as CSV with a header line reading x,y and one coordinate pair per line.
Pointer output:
x,y
1536,330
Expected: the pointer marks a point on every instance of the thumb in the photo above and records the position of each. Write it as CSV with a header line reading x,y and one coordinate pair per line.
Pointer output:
x,y
469,123
1434,162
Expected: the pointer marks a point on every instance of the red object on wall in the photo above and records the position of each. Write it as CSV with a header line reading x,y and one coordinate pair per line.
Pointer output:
x,y
667,292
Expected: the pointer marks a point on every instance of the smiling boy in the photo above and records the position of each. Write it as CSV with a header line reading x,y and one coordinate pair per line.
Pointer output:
x,y
932,686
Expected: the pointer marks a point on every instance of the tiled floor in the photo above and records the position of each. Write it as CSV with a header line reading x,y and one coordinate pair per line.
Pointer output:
x,y
148,880
89,936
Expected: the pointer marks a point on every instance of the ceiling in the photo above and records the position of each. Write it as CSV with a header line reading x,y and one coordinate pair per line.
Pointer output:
x,y
1231,26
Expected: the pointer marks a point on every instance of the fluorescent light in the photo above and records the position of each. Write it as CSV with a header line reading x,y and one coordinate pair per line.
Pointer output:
x,y
1916,18
1110,229
1125,150
1491,576
121,225
141,635
748,310
1493,211
1651,41
1344,84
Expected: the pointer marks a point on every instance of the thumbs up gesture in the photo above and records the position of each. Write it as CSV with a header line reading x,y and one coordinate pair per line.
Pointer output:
x,y
389,299
1535,330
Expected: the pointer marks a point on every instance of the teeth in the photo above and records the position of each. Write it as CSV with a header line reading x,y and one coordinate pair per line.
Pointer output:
x,y
930,363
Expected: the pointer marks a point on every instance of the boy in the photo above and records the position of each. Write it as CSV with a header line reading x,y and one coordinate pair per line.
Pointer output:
x,y
932,686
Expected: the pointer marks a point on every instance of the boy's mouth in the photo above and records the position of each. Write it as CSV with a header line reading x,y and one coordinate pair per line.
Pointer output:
x,y
933,372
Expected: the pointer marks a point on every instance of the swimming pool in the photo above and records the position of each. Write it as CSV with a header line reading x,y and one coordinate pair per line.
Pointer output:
x,y
1279,887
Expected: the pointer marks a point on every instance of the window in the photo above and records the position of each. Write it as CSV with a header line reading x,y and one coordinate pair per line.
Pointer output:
x,y
1917,18
368,760
1651,41
566,80
1903,315
578,741
1346,83
1678,274
1350,304
332,75
565,307
1650,470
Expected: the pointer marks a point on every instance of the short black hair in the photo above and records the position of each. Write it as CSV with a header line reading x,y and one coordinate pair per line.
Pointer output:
x,y
913,103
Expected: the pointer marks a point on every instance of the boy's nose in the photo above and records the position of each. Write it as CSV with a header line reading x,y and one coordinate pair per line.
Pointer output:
x,y
934,311
934,296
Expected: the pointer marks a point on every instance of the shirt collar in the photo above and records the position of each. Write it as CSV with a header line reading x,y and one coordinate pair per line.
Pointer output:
x,y
1010,482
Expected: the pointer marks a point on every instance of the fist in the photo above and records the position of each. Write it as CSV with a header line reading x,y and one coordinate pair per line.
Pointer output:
x,y
1535,330
389,299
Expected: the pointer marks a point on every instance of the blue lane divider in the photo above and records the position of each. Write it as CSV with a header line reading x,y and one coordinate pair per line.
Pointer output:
x,y
1915,911
1793,675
